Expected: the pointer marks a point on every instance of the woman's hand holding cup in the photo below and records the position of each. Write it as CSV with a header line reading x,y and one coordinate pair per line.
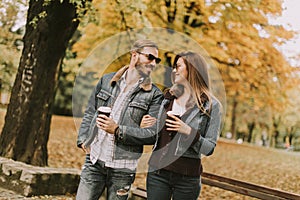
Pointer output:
x,y
175,124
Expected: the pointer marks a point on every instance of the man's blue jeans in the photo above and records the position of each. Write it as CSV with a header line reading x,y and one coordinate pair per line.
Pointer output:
x,y
95,178
163,184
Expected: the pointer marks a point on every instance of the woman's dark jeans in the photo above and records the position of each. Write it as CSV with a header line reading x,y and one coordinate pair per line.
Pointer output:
x,y
163,184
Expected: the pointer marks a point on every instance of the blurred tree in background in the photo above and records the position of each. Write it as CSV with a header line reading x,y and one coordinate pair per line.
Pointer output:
x,y
10,42
239,38
49,27
237,35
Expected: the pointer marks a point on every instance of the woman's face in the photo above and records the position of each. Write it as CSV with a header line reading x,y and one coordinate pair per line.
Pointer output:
x,y
180,72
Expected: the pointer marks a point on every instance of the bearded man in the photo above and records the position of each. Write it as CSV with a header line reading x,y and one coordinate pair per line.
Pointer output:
x,y
129,94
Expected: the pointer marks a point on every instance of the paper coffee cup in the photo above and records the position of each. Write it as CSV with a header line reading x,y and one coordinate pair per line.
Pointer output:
x,y
104,110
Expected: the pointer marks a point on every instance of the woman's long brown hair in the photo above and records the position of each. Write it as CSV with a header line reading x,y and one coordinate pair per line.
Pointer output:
x,y
198,77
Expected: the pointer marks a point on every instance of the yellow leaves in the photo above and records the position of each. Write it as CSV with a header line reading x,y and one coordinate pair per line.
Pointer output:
x,y
271,6
91,34
240,40
279,34
234,74
114,17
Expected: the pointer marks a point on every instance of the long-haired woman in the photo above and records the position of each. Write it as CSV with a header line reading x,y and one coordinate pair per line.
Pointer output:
x,y
190,131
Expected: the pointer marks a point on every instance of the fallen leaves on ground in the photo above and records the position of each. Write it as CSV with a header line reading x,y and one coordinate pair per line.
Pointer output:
x,y
269,167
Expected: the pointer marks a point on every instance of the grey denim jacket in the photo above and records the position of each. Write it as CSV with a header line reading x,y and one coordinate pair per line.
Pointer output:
x,y
201,141
146,99
205,131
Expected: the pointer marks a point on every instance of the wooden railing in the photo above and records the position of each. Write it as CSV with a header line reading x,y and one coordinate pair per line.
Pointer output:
x,y
247,189
241,187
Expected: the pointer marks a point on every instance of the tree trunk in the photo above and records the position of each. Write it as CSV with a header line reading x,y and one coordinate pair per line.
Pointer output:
x,y
250,131
291,131
276,123
27,122
233,116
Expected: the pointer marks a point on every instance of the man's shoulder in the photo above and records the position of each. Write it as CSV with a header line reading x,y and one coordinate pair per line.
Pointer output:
x,y
155,88
108,75
106,78
104,81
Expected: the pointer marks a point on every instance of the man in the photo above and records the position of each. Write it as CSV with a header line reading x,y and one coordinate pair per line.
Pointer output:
x,y
111,159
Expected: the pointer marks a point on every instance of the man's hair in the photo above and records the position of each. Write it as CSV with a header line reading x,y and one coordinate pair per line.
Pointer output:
x,y
140,44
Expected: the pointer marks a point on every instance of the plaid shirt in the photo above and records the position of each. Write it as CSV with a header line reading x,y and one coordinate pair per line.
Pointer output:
x,y
103,147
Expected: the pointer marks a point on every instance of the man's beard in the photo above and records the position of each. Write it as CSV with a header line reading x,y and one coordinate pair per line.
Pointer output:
x,y
139,66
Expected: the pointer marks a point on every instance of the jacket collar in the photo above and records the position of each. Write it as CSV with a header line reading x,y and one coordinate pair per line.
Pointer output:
x,y
145,85
168,95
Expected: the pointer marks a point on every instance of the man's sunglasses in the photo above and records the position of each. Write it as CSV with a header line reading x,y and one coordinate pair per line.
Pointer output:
x,y
150,57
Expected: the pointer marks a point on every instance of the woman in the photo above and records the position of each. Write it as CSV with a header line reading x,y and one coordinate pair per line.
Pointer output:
x,y
175,164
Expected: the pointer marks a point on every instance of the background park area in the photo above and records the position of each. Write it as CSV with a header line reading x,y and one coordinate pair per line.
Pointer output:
x,y
269,167
53,52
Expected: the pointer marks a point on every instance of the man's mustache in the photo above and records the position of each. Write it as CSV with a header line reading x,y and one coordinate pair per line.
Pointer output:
x,y
150,66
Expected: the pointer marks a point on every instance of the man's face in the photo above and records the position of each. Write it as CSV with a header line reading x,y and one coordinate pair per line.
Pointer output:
x,y
147,60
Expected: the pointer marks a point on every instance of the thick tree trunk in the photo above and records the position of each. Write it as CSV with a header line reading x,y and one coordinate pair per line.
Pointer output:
x,y
26,130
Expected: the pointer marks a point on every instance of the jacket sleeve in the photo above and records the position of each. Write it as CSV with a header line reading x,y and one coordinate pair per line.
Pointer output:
x,y
141,136
206,144
89,117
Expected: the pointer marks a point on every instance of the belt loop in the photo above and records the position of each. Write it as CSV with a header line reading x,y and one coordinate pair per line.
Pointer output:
x,y
158,171
101,163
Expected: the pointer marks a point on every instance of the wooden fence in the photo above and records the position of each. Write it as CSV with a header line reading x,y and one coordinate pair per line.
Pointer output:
x,y
241,187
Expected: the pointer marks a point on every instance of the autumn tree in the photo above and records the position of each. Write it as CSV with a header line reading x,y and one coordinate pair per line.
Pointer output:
x,y
10,42
239,38
49,27
236,34
249,62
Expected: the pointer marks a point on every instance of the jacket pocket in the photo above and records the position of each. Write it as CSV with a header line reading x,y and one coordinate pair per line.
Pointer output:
x,y
137,110
103,97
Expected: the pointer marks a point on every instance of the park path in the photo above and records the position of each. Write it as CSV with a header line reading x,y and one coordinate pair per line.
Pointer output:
x,y
11,195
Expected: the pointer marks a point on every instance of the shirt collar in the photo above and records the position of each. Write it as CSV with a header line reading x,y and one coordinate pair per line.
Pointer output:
x,y
144,83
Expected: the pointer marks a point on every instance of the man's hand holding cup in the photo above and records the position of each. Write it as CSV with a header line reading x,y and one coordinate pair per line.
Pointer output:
x,y
103,120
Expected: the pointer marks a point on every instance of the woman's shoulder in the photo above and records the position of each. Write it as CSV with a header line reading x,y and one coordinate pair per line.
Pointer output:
x,y
216,105
215,101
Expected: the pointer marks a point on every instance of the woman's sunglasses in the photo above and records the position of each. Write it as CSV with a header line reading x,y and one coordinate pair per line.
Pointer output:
x,y
150,57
